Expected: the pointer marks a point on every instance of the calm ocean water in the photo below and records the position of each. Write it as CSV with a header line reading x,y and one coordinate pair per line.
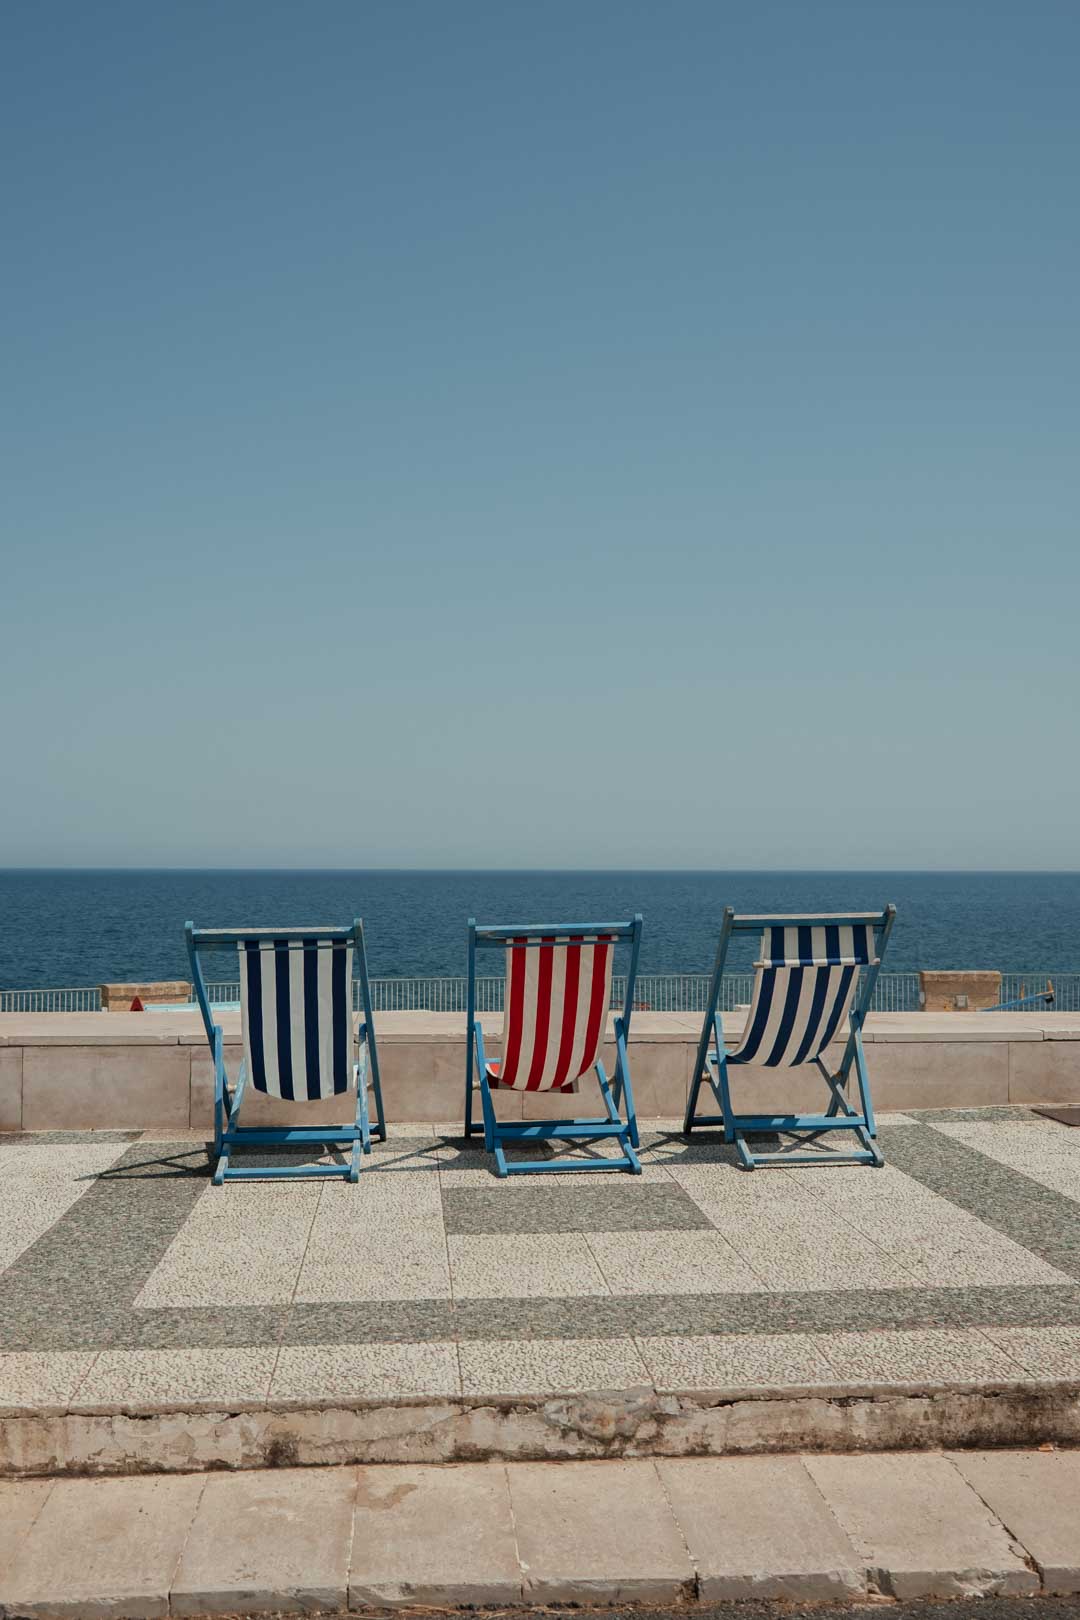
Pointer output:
x,y
83,927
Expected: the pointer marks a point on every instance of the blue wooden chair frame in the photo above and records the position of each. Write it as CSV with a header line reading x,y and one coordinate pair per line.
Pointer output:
x,y
228,1133
711,1062
616,1093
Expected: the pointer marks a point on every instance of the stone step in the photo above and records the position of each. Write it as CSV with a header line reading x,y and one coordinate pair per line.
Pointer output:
x,y
181,1436
807,1528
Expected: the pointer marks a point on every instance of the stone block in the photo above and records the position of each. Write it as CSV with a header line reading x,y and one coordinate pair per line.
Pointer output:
x,y
103,1547
1047,1072
442,1537
597,1532
11,1080
161,993
268,1542
959,992
939,1074
1037,1494
758,1527
919,1527
106,1087
20,1503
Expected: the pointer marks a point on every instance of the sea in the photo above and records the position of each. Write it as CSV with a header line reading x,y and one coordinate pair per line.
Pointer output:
x,y
62,928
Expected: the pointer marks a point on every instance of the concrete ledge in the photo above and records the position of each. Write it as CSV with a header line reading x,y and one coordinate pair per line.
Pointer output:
x,y
152,1071
774,1531
627,1423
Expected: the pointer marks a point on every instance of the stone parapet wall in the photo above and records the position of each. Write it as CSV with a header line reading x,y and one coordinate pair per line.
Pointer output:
x,y
152,1071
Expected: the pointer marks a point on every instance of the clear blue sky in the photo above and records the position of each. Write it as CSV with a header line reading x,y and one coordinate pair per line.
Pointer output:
x,y
540,434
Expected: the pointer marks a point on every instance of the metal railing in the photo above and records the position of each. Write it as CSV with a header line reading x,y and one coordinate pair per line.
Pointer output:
x,y
656,992
1023,986
51,1001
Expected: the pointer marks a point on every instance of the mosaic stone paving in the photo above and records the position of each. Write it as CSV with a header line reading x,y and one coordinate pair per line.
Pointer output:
x,y
127,1279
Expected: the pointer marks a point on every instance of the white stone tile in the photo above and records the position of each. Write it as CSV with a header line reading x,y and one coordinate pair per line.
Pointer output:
x,y
529,1265
916,1356
1042,1352
550,1366
738,1190
377,1200
735,1361
42,1378
805,1249
128,1378
242,1244
387,1261
323,1372
694,1262
984,1261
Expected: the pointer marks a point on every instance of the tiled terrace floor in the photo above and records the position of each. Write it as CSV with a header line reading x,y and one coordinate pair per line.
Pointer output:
x,y
127,1280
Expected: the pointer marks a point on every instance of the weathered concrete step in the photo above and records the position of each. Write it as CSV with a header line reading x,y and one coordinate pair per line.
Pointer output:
x,y
692,1531
627,1423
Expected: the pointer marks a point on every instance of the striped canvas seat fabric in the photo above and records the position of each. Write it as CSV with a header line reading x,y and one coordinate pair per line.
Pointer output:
x,y
296,1006
558,990
803,988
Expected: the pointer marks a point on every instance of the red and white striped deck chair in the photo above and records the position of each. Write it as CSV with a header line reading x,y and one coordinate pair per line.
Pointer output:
x,y
557,995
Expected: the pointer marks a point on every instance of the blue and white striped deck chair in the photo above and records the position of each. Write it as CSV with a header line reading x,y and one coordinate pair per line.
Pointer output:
x,y
812,973
557,999
296,1010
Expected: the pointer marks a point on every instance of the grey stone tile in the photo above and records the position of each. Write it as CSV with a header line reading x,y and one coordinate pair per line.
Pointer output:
x,y
952,1116
370,1321
601,1206
67,1138
690,1315
550,1366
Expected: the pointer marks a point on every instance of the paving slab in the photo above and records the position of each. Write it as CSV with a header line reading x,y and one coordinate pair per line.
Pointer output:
x,y
525,1301
20,1505
759,1527
103,1548
597,1532
269,1543
1036,1494
441,1537
920,1528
